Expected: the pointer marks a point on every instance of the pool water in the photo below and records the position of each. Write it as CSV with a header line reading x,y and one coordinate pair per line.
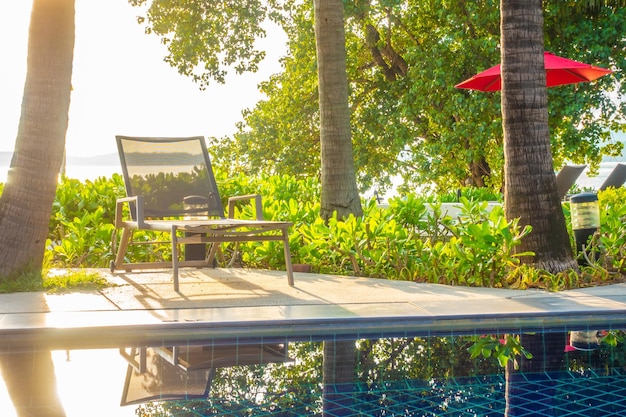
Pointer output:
x,y
571,395
417,375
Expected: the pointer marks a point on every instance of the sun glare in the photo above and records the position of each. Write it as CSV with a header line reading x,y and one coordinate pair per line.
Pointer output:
x,y
121,85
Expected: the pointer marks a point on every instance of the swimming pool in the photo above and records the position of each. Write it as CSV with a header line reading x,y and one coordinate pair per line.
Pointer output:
x,y
334,346
412,375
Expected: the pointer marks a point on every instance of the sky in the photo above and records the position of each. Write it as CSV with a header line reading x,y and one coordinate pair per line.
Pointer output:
x,y
121,85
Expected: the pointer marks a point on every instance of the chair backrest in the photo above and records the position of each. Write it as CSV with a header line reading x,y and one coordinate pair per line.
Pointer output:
x,y
567,177
173,175
616,178
163,381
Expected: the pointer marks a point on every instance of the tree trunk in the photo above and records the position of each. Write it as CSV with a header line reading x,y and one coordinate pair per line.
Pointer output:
x,y
26,202
339,191
339,377
479,171
530,191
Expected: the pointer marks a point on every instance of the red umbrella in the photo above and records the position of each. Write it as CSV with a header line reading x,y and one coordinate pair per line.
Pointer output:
x,y
558,71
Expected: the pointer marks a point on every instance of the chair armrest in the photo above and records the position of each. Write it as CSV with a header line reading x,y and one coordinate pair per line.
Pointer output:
x,y
258,205
134,203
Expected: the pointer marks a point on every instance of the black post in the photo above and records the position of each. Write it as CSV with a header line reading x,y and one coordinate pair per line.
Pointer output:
x,y
196,206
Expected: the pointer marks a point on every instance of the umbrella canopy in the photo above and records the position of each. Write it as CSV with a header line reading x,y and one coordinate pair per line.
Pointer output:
x,y
559,71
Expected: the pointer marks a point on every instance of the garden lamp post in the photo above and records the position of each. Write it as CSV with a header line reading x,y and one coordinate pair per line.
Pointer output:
x,y
585,212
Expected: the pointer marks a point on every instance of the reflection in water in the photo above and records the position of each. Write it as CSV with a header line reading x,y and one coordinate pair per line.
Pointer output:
x,y
154,378
89,383
527,384
31,384
339,376
186,372
419,376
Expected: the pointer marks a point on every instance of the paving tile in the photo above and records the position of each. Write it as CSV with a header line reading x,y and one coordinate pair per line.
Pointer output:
x,y
231,303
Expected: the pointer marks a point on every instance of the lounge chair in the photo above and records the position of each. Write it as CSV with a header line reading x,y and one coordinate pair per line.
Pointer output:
x,y
186,372
616,178
567,177
171,188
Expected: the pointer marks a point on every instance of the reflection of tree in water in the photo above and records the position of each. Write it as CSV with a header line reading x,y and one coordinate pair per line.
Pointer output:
x,y
31,383
564,381
420,358
393,376
295,388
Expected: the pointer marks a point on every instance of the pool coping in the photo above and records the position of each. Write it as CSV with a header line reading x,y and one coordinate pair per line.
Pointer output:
x,y
237,304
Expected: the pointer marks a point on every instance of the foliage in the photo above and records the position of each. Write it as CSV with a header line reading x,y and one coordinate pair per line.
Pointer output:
x,y
502,348
607,248
28,279
389,373
471,193
413,238
407,118
432,357
507,347
281,134
82,226
73,280
82,222
294,388
167,190
587,111
53,281
205,39
409,242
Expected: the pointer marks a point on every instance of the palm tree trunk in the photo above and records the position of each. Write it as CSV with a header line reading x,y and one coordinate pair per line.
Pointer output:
x,y
339,191
339,377
530,184
26,202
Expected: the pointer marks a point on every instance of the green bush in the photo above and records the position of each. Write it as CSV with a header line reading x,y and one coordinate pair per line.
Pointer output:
x,y
471,193
82,221
410,239
610,243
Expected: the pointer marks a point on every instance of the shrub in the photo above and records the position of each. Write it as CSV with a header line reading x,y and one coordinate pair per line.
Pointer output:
x,y
411,239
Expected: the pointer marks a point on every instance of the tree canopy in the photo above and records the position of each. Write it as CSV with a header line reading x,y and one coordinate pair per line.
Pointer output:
x,y
205,39
407,118
404,59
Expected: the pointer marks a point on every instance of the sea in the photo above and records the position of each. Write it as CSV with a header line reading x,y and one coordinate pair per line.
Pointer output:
x,y
91,171
80,168
80,172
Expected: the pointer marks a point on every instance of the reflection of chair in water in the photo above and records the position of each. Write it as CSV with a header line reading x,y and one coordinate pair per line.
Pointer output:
x,y
567,177
616,178
186,372
171,188
159,380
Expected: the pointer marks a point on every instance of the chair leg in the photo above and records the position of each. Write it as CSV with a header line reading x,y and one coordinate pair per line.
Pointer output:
x,y
210,259
127,234
138,363
175,258
288,265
